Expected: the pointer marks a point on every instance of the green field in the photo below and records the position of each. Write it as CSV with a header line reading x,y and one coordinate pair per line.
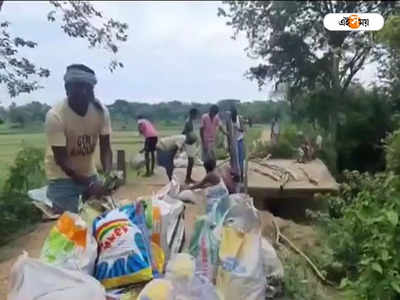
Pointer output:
x,y
11,142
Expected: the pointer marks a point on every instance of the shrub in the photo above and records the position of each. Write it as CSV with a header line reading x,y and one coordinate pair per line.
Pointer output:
x,y
27,171
365,234
392,152
16,209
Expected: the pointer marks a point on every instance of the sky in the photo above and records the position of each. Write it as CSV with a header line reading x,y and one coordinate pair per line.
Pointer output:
x,y
175,51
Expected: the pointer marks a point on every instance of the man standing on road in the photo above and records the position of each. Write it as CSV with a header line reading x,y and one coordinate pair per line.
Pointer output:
x,y
210,122
73,127
147,129
190,143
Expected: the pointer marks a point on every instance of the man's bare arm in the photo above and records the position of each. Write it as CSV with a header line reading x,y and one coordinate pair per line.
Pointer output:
x,y
202,184
105,153
62,159
221,128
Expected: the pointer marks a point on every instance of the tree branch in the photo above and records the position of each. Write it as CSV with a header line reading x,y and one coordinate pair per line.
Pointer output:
x,y
355,68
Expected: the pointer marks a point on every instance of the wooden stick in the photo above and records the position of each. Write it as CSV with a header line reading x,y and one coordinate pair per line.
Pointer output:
x,y
309,177
282,169
265,173
279,235
277,232
285,180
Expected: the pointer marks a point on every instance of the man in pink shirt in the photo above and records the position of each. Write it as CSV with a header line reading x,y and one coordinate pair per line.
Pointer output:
x,y
210,122
147,129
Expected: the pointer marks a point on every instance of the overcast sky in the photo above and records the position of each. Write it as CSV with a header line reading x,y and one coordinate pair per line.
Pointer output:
x,y
175,51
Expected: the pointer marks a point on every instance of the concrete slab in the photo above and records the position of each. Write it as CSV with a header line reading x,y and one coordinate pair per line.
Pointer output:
x,y
316,169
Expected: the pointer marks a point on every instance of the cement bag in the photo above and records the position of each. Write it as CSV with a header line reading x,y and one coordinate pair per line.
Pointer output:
x,y
241,272
157,251
172,227
138,161
214,194
70,245
204,247
186,283
123,256
144,220
31,279
157,289
240,198
180,163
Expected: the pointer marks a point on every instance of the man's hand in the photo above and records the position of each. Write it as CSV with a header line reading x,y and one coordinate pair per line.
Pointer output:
x,y
95,189
141,151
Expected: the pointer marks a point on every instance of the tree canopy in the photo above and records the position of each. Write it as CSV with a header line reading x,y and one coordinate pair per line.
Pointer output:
x,y
296,49
78,19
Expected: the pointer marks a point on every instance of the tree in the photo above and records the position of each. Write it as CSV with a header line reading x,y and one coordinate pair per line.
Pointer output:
x,y
389,64
390,33
78,19
296,49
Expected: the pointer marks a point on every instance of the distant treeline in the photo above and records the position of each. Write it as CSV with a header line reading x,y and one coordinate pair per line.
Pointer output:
x,y
125,112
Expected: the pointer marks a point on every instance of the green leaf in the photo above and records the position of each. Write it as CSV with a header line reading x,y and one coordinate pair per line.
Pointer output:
x,y
385,255
344,283
396,286
377,267
393,217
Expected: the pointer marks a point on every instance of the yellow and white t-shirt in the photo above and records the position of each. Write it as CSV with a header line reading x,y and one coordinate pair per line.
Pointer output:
x,y
65,128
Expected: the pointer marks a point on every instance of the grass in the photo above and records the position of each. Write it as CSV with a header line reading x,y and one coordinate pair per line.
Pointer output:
x,y
11,141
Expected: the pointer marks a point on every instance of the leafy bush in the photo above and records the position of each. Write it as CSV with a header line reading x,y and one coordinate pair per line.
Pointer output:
x,y
392,152
16,210
27,171
365,233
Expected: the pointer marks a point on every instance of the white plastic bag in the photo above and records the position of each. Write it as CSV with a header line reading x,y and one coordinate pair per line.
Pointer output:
x,y
40,195
30,279
272,264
